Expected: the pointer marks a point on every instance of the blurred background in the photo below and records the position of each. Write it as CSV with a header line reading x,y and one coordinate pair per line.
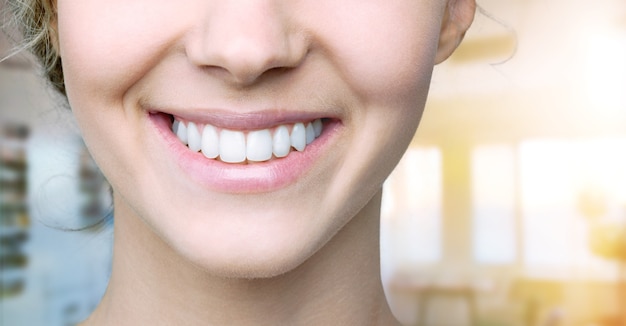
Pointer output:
x,y
509,208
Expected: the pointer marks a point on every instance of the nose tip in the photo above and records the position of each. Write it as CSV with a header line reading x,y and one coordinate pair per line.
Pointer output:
x,y
246,59
245,41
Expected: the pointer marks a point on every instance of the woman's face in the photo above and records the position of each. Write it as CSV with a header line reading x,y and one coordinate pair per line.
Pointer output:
x,y
247,74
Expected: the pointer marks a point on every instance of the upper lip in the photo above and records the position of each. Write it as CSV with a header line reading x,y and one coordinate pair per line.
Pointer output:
x,y
242,120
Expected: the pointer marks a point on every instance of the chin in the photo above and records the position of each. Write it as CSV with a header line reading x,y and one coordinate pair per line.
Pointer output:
x,y
248,260
239,245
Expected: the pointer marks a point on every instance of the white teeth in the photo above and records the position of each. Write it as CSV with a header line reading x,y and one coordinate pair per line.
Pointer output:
x,y
317,126
175,127
281,144
298,137
210,142
181,132
193,137
259,145
310,133
254,146
232,146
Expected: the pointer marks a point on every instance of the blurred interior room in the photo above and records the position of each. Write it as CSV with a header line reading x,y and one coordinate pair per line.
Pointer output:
x,y
509,208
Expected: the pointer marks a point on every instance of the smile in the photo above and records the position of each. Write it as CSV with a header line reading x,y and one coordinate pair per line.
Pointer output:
x,y
229,152
234,146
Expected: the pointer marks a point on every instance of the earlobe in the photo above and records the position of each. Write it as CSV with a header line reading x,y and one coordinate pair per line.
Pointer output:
x,y
457,19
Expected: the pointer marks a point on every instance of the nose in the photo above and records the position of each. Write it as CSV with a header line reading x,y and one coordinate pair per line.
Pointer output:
x,y
245,38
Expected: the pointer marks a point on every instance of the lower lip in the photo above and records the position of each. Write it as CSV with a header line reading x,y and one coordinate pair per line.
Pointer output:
x,y
243,178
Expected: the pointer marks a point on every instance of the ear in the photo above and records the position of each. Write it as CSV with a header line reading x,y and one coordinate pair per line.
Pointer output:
x,y
457,19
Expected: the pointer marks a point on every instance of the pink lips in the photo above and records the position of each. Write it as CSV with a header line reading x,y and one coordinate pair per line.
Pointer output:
x,y
242,178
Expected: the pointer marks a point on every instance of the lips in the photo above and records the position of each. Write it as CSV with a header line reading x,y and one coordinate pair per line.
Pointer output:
x,y
221,154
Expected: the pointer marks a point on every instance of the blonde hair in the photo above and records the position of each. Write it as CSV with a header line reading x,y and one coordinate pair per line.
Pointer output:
x,y
35,21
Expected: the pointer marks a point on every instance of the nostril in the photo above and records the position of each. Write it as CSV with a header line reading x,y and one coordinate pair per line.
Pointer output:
x,y
245,42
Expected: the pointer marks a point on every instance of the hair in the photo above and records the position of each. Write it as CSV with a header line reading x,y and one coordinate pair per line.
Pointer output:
x,y
34,20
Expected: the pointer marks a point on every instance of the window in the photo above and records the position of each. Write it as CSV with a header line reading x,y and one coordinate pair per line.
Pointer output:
x,y
555,178
411,222
493,198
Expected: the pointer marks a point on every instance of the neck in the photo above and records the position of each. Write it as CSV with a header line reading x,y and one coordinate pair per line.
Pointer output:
x,y
151,284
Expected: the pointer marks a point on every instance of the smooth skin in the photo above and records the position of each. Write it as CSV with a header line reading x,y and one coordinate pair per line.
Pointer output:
x,y
304,254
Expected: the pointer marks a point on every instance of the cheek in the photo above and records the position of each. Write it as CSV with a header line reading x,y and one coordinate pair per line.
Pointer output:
x,y
394,67
105,49
386,51
386,55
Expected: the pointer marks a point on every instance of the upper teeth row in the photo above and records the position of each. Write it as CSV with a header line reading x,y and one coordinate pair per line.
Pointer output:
x,y
236,146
